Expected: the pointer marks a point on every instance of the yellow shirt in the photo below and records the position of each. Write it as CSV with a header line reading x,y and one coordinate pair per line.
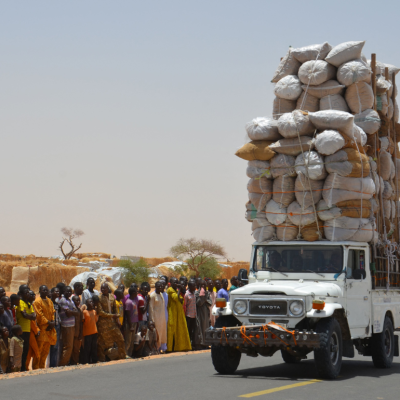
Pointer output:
x,y
120,308
25,323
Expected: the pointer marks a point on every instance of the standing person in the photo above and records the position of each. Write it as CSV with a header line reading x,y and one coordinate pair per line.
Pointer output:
x,y
89,350
78,336
213,296
143,307
177,334
190,300
6,316
223,292
165,296
15,299
45,321
217,285
203,304
157,314
119,296
107,327
234,283
90,291
131,319
78,289
33,352
2,292
4,349
55,349
16,348
198,281
25,314
165,279
68,312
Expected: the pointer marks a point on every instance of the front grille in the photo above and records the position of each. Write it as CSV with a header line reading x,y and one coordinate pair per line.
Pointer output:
x,y
268,307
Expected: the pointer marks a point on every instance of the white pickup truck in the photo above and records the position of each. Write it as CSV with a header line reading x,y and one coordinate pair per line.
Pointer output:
x,y
303,297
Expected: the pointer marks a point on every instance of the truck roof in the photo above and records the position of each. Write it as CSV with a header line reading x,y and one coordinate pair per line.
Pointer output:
x,y
316,243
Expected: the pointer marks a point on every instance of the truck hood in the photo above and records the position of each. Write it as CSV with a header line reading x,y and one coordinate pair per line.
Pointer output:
x,y
291,288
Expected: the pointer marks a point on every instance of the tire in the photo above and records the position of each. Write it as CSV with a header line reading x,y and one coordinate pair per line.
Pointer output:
x,y
225,359
290,358
328,358
382,345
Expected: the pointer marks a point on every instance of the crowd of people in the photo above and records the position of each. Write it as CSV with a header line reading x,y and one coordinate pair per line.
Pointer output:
x,y
69,326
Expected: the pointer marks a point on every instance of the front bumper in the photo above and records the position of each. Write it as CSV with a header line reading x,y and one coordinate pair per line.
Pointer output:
x,y
269,335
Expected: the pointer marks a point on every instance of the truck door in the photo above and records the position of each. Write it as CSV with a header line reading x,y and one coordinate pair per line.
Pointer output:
x,y
358,302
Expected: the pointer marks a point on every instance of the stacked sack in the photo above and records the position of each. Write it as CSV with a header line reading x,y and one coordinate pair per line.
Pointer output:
x,y
311,166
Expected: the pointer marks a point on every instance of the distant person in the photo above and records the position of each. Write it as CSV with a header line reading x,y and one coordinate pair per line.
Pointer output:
x,y
213,296
45,321
190,313
140,343
177,333
6,316
144,299
61,287
336,262
153,339
78,335
131,319
16,349
275,260
203,304
55,349
234,283
217,285
157,315
90,291
15,299
165,279
198,282
2,292
165,296
119,296
223,292
4,349
78,289
89,349
297,263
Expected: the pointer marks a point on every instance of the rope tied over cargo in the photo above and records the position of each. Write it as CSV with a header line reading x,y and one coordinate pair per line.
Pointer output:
x,y
223,333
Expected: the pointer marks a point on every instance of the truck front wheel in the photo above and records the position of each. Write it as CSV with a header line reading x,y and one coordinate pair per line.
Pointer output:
x,y
383,346
328,358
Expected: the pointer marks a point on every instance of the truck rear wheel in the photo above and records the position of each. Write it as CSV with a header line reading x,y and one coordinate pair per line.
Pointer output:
x,y
383,345
290,358
328,358
225,359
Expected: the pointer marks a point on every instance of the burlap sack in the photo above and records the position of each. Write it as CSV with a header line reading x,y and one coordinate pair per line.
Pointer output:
x,y
282,164
333,102
311,164
257,168
288,88
264,233
287,231
332,119
353,71
292,147
313,232
316,72
308,192
275,213
259,150
263,128
344,52
349,208
288,66
387,208
259,201
295,124
359,97
283,190
307,102
387,192
325,89
259,185
329,142
312,52
282,106
368,120
300,216
348,162
390,111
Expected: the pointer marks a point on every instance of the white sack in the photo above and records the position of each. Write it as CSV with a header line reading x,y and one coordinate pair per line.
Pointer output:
x,y
292,147
359,97
332,119
359,135
368,120
295,123
316,72
259,185
311,164
325,89
353,71
283,190
282,106
287,231
288,88
326,213
263,128
312,52
282,164
308,192
288,66
333,102
264,233
257,168
275,214
259,200
299,216
329,142
345,228
306,102
344,52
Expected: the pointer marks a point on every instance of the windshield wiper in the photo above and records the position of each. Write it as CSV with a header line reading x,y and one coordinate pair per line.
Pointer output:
x,y
273,269
315,272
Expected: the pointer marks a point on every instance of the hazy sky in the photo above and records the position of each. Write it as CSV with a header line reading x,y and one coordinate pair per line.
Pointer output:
x,y
122,117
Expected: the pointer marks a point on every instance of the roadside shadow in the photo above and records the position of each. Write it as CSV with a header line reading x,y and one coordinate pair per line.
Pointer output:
x,y
306,370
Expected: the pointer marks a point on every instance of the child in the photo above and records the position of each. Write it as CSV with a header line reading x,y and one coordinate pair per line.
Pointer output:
x,y
16,346
4,349
15,299
78,331
140,347
119,295
152,336
89,350
6,318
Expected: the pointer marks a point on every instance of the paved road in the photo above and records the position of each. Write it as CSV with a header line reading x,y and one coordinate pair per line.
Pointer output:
x,y
193,377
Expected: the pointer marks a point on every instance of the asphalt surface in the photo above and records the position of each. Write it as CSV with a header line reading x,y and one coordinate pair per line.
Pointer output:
x,y
193,376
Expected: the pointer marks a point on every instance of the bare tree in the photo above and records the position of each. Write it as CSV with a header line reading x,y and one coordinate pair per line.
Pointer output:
x,y
199,252
69,235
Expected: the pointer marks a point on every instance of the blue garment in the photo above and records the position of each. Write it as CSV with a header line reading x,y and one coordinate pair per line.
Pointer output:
x,y
7,320
223,294
55,350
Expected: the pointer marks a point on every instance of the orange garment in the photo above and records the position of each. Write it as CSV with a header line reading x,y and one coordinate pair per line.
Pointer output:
x,y
44,314
89,322
33,346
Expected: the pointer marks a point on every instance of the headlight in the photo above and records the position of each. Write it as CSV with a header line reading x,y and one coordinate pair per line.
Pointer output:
x,y
296,307
240,306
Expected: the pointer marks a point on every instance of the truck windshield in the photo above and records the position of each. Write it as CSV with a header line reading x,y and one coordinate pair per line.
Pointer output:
x,y
298,258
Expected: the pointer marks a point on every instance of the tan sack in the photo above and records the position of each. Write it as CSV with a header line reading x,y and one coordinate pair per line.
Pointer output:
x,y
264,233
387,208
312,52
368,120
316,72
263,128
359,97
295,124
259,185
307,191
282,164
311,164
282,106
283,190
307,102
288,66
257,168
313,232
325,89
287,231
275,213
333,102
348,162
300,216
332,119
349,208
387,192
292,147
259,200
344,52
259,150
353,71
390,111
339,188
288,88
385,165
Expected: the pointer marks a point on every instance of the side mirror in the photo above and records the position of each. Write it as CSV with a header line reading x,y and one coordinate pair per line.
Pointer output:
x,y
242,275
359,274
